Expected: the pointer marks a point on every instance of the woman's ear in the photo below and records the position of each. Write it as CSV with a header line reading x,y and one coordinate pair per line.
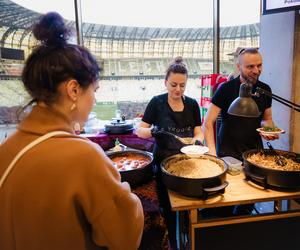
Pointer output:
x,y
73,89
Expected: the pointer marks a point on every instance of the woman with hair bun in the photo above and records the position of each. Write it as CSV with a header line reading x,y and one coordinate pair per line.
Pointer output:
x,y
172,112
175,113
57,190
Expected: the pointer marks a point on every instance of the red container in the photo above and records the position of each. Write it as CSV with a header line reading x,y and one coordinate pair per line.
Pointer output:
x,y
209,84
205,101
212,79
209,80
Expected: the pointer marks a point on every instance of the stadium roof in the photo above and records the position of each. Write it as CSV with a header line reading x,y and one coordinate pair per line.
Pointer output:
x,y
15,17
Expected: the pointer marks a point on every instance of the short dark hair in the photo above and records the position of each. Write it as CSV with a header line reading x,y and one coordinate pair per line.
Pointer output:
x,y
55,61
177,66
248,51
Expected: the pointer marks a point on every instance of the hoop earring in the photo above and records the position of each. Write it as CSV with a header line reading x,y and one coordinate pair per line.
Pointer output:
x,y
77,128
73,106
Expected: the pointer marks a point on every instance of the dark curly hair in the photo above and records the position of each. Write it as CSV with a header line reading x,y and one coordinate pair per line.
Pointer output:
x,y
177,66
55,61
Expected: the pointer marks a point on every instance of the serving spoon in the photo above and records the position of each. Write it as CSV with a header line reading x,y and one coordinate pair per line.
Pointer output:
x,y
197,142
279,159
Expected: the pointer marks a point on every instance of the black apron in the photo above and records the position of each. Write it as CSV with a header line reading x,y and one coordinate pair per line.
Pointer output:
x,y
177,123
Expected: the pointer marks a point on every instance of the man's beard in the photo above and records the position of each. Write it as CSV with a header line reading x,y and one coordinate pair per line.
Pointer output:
x,y
251,80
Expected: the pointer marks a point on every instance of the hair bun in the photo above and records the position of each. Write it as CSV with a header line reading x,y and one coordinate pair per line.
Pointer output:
x,y
51,29
178,59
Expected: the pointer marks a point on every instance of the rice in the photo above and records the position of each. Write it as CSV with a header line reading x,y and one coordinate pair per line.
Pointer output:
x,y
194,168
186,140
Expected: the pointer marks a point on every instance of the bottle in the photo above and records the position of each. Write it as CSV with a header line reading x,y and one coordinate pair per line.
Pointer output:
x,y
117,146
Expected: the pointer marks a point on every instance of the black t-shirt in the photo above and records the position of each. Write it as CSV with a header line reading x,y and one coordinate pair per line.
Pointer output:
x,y
160,114
238,134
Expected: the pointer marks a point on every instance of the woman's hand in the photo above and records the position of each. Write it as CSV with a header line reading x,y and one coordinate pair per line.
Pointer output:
x,y
143,130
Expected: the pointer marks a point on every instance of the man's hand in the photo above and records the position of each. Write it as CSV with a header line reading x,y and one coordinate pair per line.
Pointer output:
x,y
268,122
212,152
269,137
208,127
197,141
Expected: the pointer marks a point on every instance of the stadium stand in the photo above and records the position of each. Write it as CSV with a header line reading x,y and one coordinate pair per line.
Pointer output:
x,y
133,59
140,90
151,67
12,93
11,67
2,69
122,42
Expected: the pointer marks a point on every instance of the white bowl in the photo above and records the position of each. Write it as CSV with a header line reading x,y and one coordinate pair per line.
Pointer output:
x,y
194,150
269,133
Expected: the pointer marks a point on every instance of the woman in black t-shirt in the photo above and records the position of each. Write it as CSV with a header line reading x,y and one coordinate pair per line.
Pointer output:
x,y
175,113
172,112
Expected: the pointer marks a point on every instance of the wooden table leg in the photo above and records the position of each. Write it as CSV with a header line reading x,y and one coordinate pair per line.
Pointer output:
x,y
193,220
181,229
278,205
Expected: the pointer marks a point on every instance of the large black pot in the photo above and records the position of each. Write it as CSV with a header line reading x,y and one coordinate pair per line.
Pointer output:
x,y
268,177
194,187
135,177
119,126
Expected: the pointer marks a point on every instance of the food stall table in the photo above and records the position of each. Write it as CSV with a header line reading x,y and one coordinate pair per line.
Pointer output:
x,y
155,235
239,191
107,141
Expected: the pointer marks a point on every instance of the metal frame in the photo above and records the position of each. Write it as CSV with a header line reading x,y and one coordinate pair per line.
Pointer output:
x,y
278,10
134,42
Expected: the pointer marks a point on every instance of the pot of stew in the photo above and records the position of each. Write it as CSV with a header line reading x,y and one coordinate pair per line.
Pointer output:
x,y
135,166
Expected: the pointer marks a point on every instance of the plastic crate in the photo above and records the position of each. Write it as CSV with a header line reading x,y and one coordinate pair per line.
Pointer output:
x,y
209,80
210,83
206,91
205,101
203,113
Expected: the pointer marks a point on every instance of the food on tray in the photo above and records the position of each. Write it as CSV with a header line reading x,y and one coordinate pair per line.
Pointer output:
x,y
269,161
194,168
130,161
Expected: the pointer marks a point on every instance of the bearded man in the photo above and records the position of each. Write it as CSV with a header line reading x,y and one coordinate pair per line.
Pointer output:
x,y
238,134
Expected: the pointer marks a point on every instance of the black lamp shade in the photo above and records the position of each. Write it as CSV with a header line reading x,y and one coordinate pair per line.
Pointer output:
x,y
244,105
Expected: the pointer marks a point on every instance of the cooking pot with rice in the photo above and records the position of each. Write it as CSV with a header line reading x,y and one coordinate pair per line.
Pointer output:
x,y
194,176
262,167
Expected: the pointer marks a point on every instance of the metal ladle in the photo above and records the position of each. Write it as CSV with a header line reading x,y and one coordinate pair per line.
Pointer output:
x,y
279,159
197,142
